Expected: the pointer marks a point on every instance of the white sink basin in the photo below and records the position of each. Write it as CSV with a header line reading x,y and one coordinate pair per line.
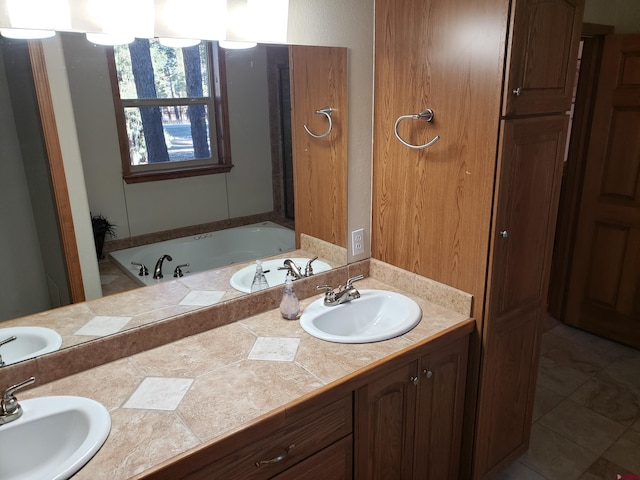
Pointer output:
x,y
242,279
53,439
30,342
377,315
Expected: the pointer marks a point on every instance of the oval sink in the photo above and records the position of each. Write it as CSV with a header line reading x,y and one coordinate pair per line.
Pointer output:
x,y
54,438
242,279
30,342
377,315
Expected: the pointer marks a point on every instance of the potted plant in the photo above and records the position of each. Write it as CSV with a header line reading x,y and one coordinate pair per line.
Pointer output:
x,y
101,228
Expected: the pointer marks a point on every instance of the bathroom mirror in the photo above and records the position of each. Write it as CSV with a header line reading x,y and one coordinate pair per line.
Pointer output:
x,y
95,180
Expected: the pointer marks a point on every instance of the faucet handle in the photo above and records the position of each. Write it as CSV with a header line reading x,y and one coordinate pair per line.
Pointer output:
x,y
328,288
143,268
308,270
353,279
7,397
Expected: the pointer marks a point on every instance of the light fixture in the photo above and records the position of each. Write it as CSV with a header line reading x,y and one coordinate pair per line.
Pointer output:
x,y
26,34
39,15
233,45
205,19
109,39
178,42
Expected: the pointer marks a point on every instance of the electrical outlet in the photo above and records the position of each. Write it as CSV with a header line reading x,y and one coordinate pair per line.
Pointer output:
x,y
357,242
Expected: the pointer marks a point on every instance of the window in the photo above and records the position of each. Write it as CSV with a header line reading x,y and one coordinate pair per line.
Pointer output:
x,y
171,116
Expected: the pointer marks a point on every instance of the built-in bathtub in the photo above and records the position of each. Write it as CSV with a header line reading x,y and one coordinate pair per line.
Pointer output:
x,y
207,250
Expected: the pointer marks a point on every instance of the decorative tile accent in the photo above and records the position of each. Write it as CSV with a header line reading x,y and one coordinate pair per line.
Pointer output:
x,y
159,393
103,325
276,349
202,298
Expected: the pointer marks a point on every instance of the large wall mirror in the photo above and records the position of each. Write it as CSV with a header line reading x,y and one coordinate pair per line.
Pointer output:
x,y
259,187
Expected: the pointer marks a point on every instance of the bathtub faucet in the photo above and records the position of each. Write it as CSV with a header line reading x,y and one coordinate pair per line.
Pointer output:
x,y
157,272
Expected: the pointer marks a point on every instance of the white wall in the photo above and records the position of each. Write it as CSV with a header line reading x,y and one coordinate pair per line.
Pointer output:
x,y
23,286
623,15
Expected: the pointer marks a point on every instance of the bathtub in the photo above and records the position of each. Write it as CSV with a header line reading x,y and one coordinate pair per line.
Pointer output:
x,y
207,251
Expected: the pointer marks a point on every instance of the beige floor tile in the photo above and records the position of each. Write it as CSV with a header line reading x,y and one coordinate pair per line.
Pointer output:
x,y
609,397
555,457
636,426
626,451
583,426
518,471
546,400
563,380
603,469
626,370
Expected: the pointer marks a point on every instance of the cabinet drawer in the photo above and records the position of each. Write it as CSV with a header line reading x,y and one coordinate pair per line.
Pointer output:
x,y
276,451
334,462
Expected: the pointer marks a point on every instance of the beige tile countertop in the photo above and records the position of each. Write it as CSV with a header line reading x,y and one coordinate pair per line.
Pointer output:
x,y
176,397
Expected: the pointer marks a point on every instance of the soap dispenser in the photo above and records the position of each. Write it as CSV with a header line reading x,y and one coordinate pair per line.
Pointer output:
x,y
290,305
259,280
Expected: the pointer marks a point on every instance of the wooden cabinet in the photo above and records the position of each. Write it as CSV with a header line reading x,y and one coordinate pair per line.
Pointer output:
x,y
409,411
409,421
310,433
482,66
529,172
542,53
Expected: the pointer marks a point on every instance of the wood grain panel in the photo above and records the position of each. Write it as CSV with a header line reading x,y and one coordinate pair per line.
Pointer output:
x,y
542,50
319,80
621,176
432,208
385,426
334,462
604,274
507,389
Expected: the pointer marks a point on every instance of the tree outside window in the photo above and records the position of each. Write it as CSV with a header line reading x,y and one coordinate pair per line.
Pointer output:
x,y
171,116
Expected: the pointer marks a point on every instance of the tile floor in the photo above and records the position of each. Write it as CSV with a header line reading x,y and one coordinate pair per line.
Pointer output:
x,y
586,419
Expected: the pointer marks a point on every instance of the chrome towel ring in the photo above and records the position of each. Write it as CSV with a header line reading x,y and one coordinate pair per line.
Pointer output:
x,y
326,111
424,115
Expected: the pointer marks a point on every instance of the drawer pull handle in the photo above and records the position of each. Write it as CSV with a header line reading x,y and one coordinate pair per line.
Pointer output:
x,y
277,459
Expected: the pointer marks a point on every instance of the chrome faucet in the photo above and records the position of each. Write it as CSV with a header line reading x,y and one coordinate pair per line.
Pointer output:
x,y
295,271
157,272
10,409
345,293
2,342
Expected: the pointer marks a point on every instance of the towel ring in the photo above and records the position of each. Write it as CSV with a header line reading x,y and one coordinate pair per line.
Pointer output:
x,y
326,111
424,115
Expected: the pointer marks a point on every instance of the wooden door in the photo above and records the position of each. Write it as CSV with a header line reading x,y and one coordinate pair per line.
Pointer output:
x,y
385,425
543,46
529,174
319,80
604,285
440,412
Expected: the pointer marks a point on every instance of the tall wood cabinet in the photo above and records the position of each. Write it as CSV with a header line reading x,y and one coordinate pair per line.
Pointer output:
x,y
476,210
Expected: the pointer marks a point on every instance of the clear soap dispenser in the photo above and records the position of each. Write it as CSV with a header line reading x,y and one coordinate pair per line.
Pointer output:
x,y
259,280
290,305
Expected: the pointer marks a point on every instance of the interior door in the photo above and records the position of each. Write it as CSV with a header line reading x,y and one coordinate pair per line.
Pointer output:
x,y
604,287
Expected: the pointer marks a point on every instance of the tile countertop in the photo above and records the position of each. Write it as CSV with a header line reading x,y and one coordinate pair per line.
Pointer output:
x,y
173,398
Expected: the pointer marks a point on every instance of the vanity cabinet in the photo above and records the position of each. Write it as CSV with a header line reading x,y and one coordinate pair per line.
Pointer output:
x,y
409,420
400,418
477,207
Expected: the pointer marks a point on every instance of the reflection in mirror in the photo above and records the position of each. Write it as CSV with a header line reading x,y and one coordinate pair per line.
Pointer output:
x,y
258,188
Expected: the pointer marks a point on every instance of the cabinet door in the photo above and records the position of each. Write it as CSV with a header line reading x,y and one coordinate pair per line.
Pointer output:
x,y
440,412
543,51
529,174
385,425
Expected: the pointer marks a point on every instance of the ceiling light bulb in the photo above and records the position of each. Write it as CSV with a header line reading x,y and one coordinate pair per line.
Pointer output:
x,y
179,42
236,45
26,34
109,39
